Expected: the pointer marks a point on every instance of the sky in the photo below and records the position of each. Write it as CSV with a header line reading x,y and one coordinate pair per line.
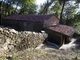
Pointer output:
x,y
39,2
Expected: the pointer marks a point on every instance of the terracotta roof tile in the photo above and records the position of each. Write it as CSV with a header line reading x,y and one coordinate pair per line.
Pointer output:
x,y
63,29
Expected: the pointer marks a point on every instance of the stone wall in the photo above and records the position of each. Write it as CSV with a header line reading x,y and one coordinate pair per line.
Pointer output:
x,y
20,40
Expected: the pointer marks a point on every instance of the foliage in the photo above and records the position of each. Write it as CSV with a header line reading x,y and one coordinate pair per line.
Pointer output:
x,y
76,23
6,9
64,9
17,6
27,7
56,8
45,7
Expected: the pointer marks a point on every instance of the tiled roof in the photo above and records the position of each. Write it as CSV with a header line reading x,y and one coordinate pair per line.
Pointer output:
x,y
63,29
29,17
50,20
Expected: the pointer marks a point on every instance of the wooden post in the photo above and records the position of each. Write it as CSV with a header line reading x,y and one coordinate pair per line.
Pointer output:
x,y
64,39
61,39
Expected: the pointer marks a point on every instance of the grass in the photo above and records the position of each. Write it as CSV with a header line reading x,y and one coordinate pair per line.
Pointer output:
x,y
32,54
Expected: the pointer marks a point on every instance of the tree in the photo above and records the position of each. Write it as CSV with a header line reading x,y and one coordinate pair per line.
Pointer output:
x,y
62,2
50,2
6,9
56,9
27,6
45,6
59,8
76,23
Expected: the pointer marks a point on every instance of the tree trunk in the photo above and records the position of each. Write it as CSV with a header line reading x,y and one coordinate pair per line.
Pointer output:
x,y
47,5
61,14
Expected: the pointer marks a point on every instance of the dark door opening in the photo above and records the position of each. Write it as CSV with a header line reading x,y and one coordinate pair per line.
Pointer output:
x,y
53,37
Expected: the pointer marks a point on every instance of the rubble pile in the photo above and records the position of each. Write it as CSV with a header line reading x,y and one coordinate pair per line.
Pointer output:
x,y
10,38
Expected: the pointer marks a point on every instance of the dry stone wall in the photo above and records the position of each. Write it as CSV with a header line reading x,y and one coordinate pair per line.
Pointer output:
x,y
10,38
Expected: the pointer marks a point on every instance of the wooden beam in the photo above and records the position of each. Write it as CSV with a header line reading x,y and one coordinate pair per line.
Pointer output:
x,y
61,39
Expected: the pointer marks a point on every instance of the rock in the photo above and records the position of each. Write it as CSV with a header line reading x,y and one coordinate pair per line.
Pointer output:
x,y
1,29
21,40
41,46
70,46
13,31
9,57
67,47
44,34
